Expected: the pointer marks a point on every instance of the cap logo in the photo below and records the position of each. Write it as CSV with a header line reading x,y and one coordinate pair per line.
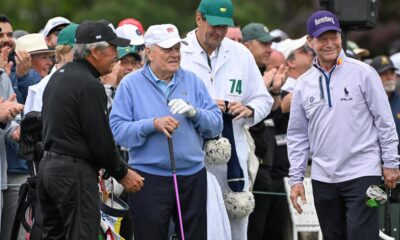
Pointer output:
x,y
384,61
98,37
323,20
222,9
266,29
112,27
170,29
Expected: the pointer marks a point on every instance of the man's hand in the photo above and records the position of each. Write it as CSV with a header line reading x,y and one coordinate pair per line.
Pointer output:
x,y
279,78
4,64
23,61
220,104
178,106
268,77
112,78
9,109
391,176
166,124
16,134
297,191
238,110
132,182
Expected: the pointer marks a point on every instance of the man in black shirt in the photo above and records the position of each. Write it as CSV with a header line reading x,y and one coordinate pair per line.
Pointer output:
x,y
77,138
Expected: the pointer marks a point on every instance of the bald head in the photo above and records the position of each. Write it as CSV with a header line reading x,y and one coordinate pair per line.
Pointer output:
x,y
234,33
275,60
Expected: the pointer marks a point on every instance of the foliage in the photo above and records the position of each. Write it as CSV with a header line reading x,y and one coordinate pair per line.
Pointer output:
x,y
288,15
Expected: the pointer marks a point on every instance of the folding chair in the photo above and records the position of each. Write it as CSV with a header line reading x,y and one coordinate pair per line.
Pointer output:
x,y
308,220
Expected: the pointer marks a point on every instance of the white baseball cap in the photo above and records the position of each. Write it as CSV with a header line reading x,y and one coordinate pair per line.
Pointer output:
x,y
290,45
163,35
131,32
53,23
396,62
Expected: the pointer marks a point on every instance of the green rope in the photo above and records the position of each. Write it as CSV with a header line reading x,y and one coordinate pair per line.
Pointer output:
x,y
270,193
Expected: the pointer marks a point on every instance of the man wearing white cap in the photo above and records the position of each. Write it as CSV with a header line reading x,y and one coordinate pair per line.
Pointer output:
x,y
52,28
298,59
160,101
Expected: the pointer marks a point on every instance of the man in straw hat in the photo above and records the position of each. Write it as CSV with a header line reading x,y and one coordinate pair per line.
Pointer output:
x,y
77,138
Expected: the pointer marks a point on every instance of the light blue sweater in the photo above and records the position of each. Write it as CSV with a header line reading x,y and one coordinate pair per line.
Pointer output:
x,y
139,100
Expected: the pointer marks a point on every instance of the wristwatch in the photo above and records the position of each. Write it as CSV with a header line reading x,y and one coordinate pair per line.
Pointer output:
x,y
251,109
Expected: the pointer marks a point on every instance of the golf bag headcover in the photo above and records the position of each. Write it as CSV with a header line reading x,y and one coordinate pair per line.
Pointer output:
x,y
218,151
30,147
235,172
239,204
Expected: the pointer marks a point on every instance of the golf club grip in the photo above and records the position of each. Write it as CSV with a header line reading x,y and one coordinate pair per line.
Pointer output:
x,y
171,154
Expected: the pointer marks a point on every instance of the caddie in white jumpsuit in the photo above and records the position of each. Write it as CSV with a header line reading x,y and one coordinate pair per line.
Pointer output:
x,y
231,75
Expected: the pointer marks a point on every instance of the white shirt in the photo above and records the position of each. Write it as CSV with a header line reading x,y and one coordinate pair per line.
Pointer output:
x,y
34,99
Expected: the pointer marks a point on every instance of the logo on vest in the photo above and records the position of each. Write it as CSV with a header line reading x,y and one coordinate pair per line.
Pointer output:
x,y
347,96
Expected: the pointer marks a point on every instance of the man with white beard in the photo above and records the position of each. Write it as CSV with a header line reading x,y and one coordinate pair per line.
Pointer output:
x,y
387,71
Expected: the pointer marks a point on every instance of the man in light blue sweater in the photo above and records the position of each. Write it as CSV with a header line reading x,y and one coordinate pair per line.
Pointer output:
x,y
157,102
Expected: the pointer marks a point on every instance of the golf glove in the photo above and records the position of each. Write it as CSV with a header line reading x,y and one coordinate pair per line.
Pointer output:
x,y
178,106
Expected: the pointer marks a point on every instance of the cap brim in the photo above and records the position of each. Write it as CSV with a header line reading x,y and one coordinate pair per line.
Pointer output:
x,y
268,38
137,42
215,20
320,31
385,68
42,51
120,42
168,43
361,52
134,54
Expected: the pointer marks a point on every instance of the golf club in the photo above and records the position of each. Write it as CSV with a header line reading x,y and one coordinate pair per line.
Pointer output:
x,y
178,204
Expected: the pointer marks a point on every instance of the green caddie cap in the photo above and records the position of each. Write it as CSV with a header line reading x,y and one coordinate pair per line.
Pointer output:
x,y
258,32
217,12
67,35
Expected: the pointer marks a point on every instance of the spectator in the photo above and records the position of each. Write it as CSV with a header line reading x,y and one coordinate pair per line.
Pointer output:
x,y
52,29
77,138
386,70
270,211
235,34
236,85
144,125
64,54
340,115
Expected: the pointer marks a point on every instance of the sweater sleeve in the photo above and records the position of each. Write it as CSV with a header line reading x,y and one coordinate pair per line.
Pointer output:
x,y
208,119
379,106
298,142
128,132
94,121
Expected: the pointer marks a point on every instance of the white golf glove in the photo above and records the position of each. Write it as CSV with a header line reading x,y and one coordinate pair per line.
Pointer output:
x,y
178,106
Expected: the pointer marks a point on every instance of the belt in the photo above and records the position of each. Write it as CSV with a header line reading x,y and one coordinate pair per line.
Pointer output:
x,y
52,155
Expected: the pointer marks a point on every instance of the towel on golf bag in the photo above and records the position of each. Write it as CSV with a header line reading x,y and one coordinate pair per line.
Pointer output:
x,y
235,172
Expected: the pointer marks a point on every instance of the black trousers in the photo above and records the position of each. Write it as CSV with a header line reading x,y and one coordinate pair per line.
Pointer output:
x,y
342,212
155,204
69,198
271,213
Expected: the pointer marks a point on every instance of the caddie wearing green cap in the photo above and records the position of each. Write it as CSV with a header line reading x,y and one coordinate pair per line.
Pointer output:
x,y
232,77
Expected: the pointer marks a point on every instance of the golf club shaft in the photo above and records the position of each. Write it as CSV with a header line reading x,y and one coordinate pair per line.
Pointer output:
x,y
178,204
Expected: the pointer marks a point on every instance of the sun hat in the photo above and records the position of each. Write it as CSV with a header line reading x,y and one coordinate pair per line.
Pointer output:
x,y
33,43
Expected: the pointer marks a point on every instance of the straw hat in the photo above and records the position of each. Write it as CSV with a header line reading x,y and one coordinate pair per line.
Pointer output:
x,y
32,43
